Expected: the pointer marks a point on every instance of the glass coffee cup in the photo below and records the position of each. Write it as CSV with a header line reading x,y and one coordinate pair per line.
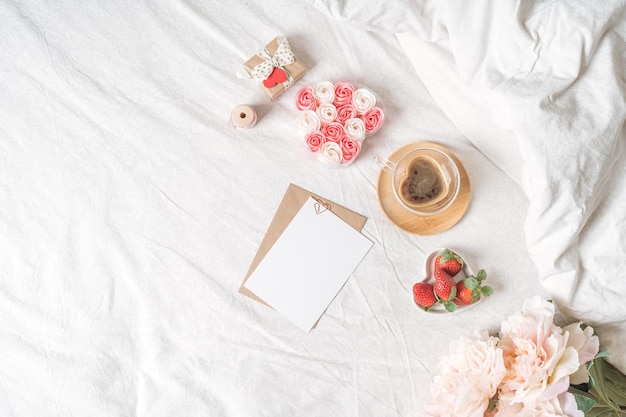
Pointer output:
x,y
425,181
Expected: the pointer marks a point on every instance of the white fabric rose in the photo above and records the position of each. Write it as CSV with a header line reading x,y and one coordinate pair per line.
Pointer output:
x,y
326,112
363,100
308,121
330,153
324,92
355,128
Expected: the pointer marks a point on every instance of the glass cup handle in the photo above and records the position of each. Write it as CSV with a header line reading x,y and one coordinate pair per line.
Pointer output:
x,y
448,172
384,163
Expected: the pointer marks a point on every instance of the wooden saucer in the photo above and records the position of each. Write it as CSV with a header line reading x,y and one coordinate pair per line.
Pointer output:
x,y
410,222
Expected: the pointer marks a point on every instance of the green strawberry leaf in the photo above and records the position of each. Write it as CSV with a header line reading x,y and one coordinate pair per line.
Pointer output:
x,y
471,283
482,274
450,306
452,293
446,255
486,290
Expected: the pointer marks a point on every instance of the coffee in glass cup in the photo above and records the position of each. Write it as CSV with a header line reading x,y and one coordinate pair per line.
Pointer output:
x,y
425,180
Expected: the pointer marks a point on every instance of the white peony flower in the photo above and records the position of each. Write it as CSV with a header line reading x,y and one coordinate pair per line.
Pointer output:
x,y
469,378
587,345
564,405
537,355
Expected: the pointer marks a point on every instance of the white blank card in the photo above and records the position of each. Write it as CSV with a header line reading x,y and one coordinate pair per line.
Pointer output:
x,y
309,263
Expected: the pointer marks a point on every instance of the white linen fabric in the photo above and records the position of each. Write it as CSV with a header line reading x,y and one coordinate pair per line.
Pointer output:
x,y
130,212
547,78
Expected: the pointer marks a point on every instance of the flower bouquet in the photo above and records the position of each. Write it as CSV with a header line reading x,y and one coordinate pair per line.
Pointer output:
x,y
532,367
336,118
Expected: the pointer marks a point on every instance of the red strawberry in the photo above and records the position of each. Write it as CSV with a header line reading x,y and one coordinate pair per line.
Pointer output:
x,y
449,262
471,289
445,286
423,294
463,294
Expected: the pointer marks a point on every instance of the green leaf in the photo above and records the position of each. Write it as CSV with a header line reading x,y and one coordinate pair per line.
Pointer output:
x,y
584,400
597,383
615,384
471,283
452,294
602,411
450,306
584,404
481,275
608,385
486,291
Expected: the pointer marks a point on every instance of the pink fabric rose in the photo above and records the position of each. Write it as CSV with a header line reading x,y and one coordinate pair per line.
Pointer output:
x,y
349,149
314,140
333,132
343,93
305,100
373,119
345,112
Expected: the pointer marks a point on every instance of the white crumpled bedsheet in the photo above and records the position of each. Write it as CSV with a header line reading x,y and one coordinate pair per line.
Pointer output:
x,y
539,88
130,213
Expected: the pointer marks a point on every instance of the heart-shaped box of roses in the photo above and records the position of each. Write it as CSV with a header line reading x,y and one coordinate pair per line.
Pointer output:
x,y
336,118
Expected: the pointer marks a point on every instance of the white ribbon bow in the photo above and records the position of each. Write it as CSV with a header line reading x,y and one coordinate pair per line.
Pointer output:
x,y
283,56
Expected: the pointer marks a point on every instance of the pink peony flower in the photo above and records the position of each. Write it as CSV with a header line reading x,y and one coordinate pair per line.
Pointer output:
x,y
314,140
349,149
373,119
469,378
587,345
345,112
343,93
333,132
305,99
562,406
536,354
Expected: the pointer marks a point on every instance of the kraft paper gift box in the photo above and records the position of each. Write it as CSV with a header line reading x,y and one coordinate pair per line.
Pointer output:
x,y
275,67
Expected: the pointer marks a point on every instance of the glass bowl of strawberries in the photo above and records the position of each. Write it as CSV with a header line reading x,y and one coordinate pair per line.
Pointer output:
x,y
450,284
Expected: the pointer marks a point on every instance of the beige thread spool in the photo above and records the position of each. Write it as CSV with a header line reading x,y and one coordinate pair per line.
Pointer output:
x,y
243,116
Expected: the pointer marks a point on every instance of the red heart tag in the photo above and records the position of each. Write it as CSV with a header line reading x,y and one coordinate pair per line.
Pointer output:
x,y
277,76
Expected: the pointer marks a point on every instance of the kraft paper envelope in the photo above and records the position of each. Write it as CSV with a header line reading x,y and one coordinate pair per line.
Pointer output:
x,y
293,200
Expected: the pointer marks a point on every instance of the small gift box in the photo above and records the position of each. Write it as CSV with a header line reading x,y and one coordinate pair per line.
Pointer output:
x,y
275,67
